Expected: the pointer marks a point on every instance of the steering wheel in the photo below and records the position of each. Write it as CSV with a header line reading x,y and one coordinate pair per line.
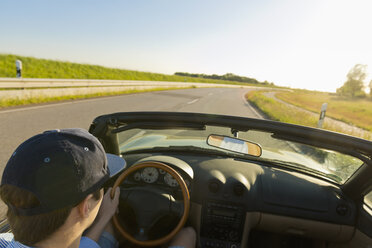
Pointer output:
x,y
148,214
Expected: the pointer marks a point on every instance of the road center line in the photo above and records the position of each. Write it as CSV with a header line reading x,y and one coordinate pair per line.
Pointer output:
x,y
193,101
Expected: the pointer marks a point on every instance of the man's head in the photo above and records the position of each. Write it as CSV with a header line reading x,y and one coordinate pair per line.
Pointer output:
x,y
52,172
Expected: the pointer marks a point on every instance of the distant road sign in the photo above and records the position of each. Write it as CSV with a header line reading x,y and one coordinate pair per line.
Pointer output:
x,y
322,115
19,68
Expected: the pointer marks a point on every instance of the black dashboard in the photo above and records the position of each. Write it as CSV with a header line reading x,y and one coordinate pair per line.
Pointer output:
x,y
227,190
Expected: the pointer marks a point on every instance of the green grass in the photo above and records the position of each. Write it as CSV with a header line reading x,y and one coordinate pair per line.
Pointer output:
x,y
355,111
278,111
45,99
43,68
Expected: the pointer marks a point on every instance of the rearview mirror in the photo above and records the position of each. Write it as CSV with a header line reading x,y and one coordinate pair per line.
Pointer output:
x,y
234,144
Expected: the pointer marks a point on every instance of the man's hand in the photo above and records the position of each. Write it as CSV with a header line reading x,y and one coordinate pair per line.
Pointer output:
x,y
109,206
106,211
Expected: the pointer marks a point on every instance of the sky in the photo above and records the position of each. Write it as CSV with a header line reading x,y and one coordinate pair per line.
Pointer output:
x,y
308,44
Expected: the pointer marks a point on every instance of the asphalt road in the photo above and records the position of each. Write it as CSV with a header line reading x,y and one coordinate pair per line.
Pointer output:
x,y
18,124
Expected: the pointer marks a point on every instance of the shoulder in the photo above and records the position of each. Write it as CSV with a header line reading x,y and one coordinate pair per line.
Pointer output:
x,y
7,241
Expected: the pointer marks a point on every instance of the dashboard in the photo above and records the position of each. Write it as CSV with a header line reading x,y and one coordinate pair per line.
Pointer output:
x,y
232,199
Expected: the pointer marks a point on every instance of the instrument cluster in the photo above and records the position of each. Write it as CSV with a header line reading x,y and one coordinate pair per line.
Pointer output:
x,y
152,175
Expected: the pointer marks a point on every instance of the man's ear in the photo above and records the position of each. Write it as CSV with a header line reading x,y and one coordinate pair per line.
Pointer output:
x,y
84,207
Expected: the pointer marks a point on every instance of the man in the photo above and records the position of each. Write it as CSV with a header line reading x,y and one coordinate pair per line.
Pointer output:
x,y
52,185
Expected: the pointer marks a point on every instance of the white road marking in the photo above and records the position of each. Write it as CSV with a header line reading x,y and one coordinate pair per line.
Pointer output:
x,y
193,101
255,112
251,108
48,105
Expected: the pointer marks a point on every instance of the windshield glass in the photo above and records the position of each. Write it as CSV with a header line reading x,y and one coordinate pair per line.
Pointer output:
x,y
333,165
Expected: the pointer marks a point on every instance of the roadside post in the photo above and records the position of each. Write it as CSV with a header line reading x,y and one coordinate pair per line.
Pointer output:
x,y
322,115
19,68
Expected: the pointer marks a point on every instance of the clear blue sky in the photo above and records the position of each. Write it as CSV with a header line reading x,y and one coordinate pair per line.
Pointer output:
x,y
303,44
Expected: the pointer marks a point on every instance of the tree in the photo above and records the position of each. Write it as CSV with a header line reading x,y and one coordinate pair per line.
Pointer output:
x,y
370,88
355,82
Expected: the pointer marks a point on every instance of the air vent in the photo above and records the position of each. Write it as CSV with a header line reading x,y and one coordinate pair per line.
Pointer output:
x,y
213,187
238,190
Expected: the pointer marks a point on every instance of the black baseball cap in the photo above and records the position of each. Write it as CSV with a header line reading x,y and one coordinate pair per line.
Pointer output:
x,y
60,167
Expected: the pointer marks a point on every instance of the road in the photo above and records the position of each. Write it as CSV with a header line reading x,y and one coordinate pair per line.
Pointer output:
x,y
18,124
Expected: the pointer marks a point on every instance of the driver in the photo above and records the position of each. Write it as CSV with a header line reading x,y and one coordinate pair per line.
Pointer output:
x,y
53,187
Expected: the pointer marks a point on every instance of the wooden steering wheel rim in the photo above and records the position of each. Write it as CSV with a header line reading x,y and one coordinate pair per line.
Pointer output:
x,y
185,195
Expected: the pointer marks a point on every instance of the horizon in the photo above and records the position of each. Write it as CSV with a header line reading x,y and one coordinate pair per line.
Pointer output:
x,y
308,45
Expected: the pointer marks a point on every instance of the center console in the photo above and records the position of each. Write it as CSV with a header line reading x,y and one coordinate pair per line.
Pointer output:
x,y
221,225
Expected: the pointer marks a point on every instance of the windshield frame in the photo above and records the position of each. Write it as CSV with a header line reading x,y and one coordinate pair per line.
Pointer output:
x,y
104,127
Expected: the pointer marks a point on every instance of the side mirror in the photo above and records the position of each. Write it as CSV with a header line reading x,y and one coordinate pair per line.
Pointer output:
x,y
235,145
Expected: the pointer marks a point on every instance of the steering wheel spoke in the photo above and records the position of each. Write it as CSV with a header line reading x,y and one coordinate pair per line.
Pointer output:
x,y
177,208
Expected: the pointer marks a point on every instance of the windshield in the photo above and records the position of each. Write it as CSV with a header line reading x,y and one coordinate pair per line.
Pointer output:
x,y
333,165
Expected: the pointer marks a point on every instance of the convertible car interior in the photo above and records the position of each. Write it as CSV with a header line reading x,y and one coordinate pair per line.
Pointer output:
x,y
239,182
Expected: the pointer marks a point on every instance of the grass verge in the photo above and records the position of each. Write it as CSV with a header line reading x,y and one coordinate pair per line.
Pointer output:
x,y
278,111
355,111
47,99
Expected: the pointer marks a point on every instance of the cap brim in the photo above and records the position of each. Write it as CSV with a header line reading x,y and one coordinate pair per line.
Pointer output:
x,y
115,164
